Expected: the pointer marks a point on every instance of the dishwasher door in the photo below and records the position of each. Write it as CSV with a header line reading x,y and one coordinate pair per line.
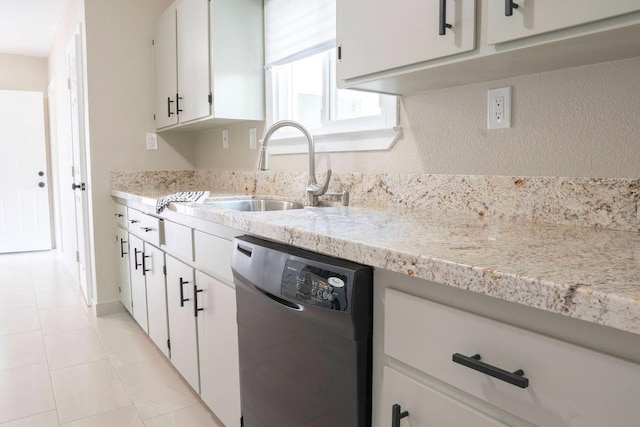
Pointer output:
x,y
300,364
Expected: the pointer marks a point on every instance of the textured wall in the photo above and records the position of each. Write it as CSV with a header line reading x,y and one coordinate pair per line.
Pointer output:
x,y
583,121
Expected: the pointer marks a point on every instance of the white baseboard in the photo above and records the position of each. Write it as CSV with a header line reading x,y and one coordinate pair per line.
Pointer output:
x,y
107,308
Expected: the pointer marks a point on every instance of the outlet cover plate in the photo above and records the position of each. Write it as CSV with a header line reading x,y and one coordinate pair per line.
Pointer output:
x,y
152,141
499,108
225,139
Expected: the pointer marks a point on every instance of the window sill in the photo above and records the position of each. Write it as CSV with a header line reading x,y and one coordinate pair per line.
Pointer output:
x,y
379,139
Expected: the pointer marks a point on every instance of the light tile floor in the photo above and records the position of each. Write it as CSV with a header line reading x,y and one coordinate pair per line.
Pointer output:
x,y
62,366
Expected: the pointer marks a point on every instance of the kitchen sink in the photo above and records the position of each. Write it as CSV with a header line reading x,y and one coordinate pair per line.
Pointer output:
x,y
256,204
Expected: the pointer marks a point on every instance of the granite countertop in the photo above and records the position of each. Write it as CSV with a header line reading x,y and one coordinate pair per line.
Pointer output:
x,y
586,273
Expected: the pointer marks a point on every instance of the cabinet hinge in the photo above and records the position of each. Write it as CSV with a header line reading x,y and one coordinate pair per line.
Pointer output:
x,y
210,94
339,52
154,117
169,344
153,42
77,256
119,290
164,270
69,84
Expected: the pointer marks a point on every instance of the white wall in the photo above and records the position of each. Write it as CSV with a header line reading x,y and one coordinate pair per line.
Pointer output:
x,y
582,122
119,104
19,72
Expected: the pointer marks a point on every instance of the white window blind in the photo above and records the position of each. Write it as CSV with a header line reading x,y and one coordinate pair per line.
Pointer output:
x,y
295,29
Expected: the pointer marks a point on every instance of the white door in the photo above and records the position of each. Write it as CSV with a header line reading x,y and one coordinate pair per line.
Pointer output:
x,y
74,57
25,223
182,322
218,349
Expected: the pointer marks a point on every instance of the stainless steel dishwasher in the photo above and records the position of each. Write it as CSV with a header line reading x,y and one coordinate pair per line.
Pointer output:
x,y
304,336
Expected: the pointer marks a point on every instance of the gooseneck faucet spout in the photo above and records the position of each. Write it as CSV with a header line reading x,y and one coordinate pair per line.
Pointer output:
x,y
313,189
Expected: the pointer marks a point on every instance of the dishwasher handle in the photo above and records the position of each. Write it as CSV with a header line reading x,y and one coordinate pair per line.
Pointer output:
x,y
289,304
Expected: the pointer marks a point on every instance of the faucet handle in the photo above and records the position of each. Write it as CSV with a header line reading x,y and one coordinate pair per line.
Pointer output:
x,y
317,189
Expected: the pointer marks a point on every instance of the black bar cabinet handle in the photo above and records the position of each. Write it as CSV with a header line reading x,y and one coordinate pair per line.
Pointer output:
x,y
135,257
122,252
516,378
509,5
178,98
443,18
146,229
144,264
169,102
182,298
397,414
195,300
118,215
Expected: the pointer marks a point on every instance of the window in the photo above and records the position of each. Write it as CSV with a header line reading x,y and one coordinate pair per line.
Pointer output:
x,y
301,84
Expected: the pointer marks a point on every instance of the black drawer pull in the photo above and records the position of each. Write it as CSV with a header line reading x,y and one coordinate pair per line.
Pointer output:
x,y
146,229
516,378
443,18
397,414
509,5
182,298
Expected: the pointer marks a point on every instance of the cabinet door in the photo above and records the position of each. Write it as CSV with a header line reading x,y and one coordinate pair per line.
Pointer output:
x,y
182,321
218,346
165,68
536,17
193,59
122,257
138,285
426,406
387,34
156,297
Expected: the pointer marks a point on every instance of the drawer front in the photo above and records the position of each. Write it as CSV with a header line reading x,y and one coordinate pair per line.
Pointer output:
x,y
426,406
568,385
178,240
147,227
213,255
121,216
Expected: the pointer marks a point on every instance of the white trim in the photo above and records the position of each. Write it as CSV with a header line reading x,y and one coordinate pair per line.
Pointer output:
x,y
380,139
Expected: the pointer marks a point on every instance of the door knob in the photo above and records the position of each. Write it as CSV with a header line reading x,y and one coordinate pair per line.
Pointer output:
x,y
40,173
75,186
41,184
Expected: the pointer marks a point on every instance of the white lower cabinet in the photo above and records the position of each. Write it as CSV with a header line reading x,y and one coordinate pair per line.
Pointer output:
x,y
138,283
156,297
122,265
541,380
182,321
421,405
218,349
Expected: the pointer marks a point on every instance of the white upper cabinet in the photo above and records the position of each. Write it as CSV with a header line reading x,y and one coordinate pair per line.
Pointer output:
x,y
165,68
208,64
193,60
387,34
396,46
526,18
181,63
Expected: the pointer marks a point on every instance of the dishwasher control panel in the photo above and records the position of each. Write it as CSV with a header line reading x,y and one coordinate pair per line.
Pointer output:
x,y
314,286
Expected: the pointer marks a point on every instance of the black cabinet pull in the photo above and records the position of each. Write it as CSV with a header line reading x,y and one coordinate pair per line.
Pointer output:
x,y
182,298
196,291
509,5
135,257
133,221
122,252
144,264
178,98
516,378
146,229
169,102
397,414
443,18
118,215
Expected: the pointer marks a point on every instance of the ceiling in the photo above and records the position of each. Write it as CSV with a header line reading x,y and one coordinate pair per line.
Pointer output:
x,y
27,27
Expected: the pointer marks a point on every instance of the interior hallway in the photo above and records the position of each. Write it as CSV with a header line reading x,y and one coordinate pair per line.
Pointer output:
x,y
62,366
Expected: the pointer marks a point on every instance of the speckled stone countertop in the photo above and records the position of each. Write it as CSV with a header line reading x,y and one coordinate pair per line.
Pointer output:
x,y
586,273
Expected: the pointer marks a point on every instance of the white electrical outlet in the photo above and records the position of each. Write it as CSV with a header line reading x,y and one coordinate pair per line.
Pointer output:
x,y
499,108
252,139
225,139
152,141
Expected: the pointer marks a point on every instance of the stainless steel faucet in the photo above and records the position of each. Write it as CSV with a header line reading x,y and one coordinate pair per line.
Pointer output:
x,y
313,189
